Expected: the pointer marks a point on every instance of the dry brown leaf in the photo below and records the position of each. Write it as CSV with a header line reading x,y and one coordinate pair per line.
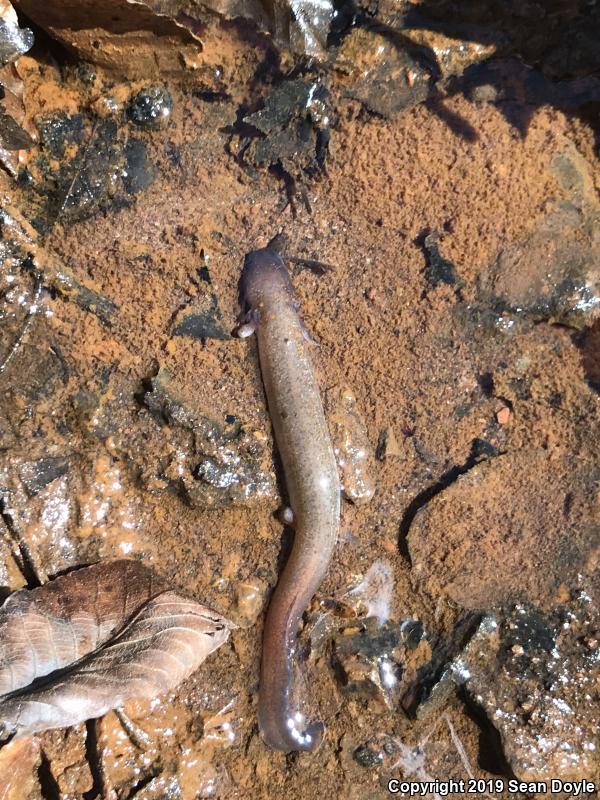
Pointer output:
x,y
93,639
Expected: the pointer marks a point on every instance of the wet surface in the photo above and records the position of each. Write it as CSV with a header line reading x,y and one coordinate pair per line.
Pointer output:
x,y
444,159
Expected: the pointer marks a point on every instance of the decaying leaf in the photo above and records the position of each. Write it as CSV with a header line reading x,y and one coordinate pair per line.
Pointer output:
x,y
293,125
89,641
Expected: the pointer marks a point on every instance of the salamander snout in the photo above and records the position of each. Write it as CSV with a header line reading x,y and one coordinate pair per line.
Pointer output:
x,y
263,276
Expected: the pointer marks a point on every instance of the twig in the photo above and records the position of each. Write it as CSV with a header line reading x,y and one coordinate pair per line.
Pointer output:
x,y
461,751
138,736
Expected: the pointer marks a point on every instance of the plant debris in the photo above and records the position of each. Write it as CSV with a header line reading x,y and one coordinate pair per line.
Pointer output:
x,y
89,641
293,121
20,249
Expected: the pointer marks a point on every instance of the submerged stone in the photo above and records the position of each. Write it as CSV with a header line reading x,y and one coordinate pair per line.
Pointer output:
x,y
150,108
554,272
534,678
213,464
551,275
367,757
38,474
14,41
381,75
438,270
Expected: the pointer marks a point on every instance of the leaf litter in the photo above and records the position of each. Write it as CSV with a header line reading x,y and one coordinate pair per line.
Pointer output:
x,y
91,640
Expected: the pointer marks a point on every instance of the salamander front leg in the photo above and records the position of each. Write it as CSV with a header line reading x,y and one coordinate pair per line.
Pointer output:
x,y
248,324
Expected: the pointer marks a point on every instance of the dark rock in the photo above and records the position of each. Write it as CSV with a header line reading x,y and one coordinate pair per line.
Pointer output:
x,y
534,676
214,465
12,135
37,474
547,278
39,371
482,450
14,41
412,632
150,108
368,660
367,757
529,631
589,344
434,683
286,102
381,75
553,273
85,73
372,640
84,296
439,270
202,318
139,172
202,325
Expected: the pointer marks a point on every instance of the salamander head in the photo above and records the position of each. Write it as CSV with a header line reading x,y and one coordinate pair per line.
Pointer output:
x,y
264,277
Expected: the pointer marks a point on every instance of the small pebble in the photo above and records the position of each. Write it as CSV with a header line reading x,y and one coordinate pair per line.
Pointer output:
x,y
250,598
150,107
367,757
503,415
387,446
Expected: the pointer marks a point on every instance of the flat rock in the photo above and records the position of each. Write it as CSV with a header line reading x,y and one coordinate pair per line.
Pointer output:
x,y
493,535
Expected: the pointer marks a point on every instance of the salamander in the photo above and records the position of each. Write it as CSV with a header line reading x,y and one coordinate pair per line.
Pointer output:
x,y
312,482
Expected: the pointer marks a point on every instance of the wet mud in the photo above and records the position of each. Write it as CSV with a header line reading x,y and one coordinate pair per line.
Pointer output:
x,y
444,166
